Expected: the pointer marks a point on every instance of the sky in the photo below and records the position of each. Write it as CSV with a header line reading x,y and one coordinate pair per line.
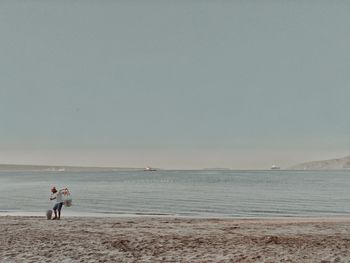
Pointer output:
x,y
174,84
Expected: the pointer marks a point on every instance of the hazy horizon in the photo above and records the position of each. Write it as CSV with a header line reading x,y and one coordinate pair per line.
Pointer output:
x,y
174,84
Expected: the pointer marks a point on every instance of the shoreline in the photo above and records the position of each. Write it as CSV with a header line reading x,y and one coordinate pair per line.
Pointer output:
x,y
164,239
143,215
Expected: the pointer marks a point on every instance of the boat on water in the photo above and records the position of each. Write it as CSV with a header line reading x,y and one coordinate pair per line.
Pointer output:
x,y
55,169
149,169
275,167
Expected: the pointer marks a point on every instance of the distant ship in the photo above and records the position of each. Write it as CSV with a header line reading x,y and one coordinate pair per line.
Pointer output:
x,y
275,167
149,169
54,169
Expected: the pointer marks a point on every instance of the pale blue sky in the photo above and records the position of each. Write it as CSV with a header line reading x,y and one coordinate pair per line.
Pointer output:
x,y
174,84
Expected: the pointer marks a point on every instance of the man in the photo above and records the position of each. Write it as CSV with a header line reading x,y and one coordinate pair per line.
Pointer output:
x,y
59,203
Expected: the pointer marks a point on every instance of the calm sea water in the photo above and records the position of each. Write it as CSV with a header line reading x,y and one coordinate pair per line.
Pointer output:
x,y
183,193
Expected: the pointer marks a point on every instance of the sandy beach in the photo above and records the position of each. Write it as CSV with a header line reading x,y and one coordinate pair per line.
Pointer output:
x,y
145,239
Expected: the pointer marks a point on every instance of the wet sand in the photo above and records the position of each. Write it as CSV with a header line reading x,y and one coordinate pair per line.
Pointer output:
x,y
145,239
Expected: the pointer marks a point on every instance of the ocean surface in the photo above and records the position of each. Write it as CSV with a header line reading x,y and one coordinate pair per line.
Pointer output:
x,y
182,193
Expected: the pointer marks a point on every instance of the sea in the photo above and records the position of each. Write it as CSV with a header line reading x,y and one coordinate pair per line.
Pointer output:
x,y
199,193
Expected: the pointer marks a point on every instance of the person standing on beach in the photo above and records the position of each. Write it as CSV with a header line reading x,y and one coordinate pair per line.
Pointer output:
x,y
59,202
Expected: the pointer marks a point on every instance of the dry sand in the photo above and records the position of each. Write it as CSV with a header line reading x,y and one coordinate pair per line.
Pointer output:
x,y
144,239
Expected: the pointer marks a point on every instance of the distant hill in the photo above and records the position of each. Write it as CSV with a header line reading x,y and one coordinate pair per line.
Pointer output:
x,y
332,164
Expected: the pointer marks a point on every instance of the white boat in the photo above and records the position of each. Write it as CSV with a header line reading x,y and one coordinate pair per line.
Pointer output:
x,y
149,169
275,167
